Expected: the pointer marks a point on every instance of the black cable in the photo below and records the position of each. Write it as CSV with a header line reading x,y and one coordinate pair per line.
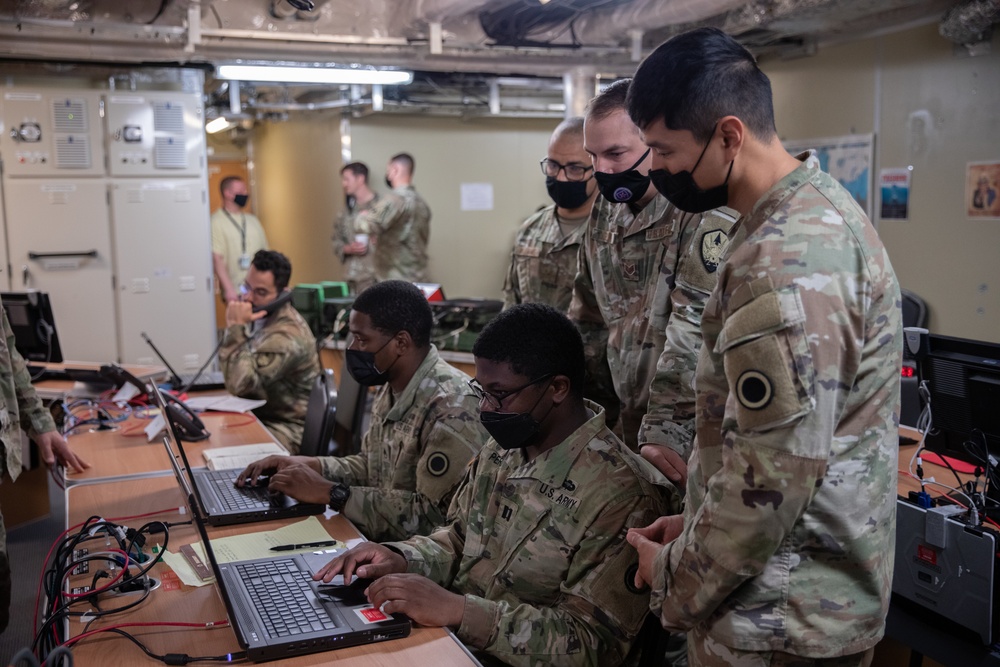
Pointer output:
x,y
178,658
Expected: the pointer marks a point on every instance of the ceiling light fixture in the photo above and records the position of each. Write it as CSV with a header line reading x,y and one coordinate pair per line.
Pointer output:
x,y
282,74
218,125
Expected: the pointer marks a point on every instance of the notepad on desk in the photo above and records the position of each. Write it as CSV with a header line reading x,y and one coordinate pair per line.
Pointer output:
x,y
240,456
224,403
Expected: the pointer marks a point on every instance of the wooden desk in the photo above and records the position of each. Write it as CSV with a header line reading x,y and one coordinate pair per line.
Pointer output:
x,y
112,498
114,454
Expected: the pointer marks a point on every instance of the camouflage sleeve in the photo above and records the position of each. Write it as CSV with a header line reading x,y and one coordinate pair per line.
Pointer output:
x,y
397,514
785,396
35,417
387,211
597,617
342,234
351,470
511,285
247,372
669,419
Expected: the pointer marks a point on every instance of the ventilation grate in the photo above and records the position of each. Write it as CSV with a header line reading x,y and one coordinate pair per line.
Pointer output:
x,y
72,152
170,153
69,115
168,117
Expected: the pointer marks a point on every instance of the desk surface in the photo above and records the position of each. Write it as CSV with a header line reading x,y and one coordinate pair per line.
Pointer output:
x,y
113,498
117,453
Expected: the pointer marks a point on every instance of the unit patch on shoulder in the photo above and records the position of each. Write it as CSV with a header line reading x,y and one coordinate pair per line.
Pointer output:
x,y
438,464
754,390
713,247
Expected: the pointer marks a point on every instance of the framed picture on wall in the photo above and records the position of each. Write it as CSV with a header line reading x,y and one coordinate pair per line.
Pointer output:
x,y
982,185
848,159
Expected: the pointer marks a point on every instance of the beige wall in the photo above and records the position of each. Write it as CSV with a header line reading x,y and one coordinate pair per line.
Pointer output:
x,y
876,86
296,181
469,250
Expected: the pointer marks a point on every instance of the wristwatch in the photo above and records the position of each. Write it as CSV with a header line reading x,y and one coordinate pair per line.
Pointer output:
x,y
339,493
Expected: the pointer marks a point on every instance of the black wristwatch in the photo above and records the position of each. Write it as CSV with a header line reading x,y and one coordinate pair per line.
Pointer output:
x,y
339,493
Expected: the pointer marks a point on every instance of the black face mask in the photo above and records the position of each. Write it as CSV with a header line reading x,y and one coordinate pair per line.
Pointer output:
x,y
512,430
241,200
361,366
623,187
567,194
681,190
388,183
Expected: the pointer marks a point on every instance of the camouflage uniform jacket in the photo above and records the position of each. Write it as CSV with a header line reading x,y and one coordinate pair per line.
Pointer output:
x,y
538,549
359,270
789,521
414,454
543,262
278,363
401,223
643,279
21,407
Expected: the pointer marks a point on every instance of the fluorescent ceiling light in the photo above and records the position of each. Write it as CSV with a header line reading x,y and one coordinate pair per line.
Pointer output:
x,y
218,125
281,74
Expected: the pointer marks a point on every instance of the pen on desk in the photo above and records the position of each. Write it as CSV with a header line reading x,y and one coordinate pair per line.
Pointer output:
x,y
309,545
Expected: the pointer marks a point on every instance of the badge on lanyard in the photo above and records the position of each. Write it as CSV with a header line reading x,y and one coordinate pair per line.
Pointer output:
x,y
244,261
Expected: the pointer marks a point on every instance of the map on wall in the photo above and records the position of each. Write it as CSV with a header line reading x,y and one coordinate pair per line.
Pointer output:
x,y
848,159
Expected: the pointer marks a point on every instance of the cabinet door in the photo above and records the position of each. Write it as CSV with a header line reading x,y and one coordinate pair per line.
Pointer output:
x,y
59,242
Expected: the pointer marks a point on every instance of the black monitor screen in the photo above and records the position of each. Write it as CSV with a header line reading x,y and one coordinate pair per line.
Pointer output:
x,y
34,327
963,377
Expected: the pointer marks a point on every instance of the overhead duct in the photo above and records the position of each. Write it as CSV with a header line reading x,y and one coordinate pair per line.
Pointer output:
x,y
966,23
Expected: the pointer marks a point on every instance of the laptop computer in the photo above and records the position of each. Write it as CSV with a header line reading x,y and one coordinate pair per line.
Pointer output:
x,y
221,502
202,380
278,611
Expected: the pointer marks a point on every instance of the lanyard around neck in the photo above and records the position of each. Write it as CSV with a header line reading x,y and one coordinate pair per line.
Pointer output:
x,y
242,230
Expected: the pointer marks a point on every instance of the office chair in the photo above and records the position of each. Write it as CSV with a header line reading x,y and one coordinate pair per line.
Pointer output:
x,y
318,430
349,415
914,310
914,315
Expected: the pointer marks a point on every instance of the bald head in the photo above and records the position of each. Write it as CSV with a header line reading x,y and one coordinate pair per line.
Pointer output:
x,y
570,129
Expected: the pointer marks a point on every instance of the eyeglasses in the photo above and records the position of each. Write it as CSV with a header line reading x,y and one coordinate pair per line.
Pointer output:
x,y
495,399
258,292
574,172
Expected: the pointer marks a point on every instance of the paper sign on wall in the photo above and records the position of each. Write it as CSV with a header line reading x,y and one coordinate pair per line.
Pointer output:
x,y
477,196
894,189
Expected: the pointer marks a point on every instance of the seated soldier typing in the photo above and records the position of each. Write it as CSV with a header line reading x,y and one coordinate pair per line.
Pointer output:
x,y
532,566
268,351
424,425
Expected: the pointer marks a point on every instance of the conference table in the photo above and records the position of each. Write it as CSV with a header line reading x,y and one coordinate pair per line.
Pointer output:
x,y
131,477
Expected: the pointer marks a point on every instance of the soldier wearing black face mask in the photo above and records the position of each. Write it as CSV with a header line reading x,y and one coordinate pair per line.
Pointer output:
x,y
236,238
543,261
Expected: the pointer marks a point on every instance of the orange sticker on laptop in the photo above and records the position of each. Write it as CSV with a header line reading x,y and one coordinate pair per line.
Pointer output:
x,y
371,615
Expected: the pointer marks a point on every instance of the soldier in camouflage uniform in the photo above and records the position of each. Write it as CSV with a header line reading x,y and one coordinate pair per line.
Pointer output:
x,y
401,223
784,552
646,269
424,427
543,262
20,408
356,255
532,567
270,355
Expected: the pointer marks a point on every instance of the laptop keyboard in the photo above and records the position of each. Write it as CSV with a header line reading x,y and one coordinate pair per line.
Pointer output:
x,y
209,379
280,592
233,498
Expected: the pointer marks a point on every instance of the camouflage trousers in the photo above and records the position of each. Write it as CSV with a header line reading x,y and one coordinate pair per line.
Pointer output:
x,y
705,651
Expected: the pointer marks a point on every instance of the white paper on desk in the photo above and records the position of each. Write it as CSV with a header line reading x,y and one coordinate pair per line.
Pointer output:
x,y
127,392
224,403
258,545
155,427
240,456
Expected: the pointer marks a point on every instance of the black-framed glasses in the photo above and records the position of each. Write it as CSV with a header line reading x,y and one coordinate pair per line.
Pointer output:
x,y
495,399
574,172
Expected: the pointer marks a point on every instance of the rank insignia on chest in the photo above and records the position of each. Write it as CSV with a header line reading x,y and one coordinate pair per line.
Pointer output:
x,y
713,247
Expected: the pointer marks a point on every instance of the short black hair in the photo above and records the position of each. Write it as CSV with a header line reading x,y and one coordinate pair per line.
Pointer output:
x,y
694,79
536,340
406,160
609,100
276,263
396,305
226,182
356,168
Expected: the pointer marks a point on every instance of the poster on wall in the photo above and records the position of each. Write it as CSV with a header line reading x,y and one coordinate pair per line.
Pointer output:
x,y
981,184
894,193
848,159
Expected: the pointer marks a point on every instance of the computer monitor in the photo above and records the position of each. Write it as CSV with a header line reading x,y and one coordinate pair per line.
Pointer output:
x,y
34,327
963,377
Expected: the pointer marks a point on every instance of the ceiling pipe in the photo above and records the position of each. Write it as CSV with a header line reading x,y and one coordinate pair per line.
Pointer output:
x,y
967,22
579,87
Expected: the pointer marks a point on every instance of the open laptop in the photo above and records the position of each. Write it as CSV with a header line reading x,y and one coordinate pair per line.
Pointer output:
x,y
221,501
202,380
